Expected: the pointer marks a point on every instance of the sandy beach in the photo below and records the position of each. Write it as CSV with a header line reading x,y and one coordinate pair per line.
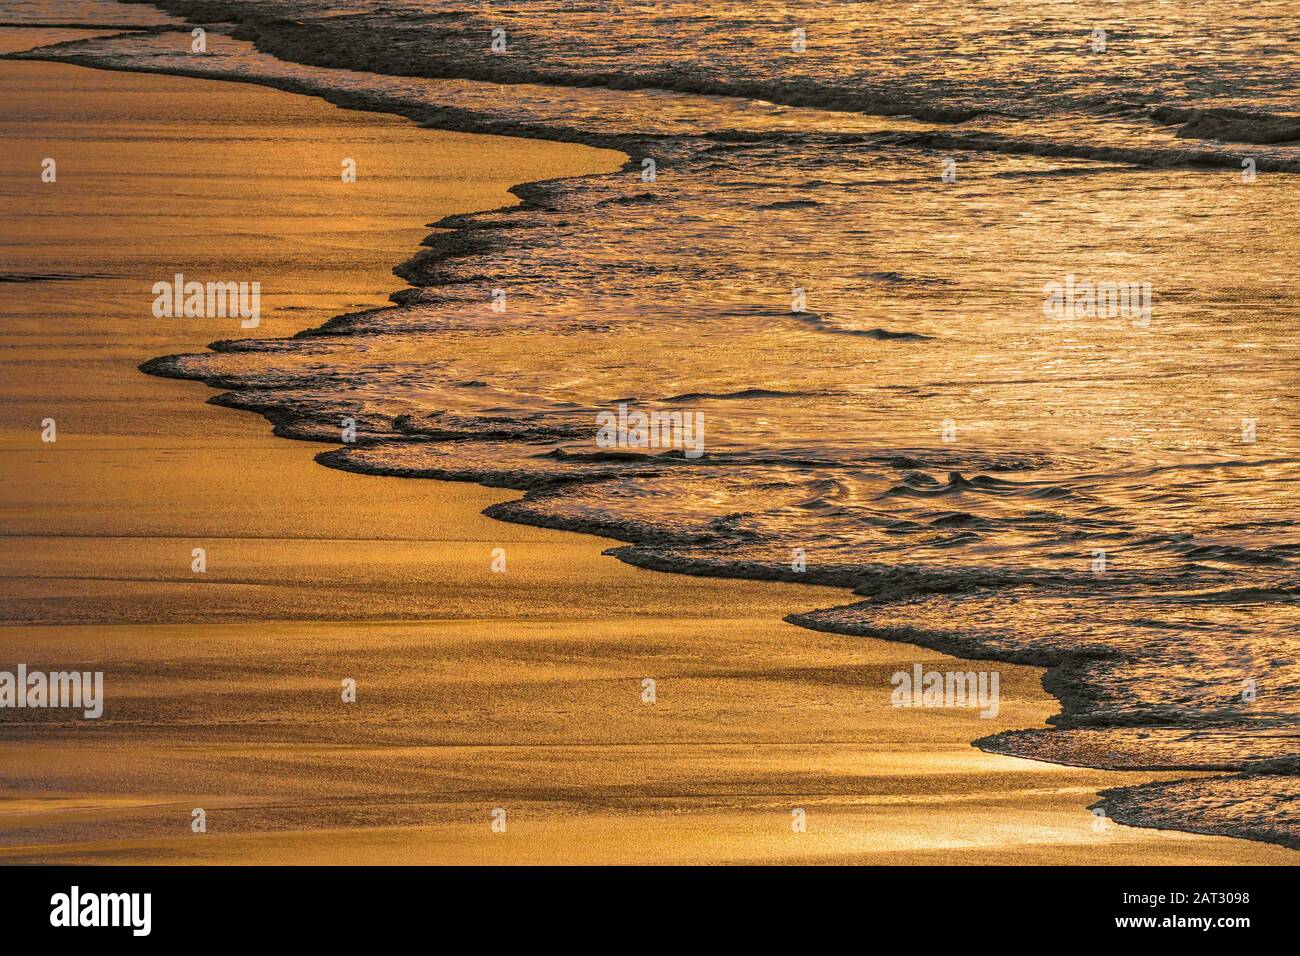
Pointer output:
x,y
476,690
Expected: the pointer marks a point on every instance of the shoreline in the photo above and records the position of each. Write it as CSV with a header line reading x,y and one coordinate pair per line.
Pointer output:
x,y
748,588
1193,153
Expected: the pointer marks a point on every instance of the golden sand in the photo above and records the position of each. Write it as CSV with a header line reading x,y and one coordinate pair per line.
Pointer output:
x,y
475,690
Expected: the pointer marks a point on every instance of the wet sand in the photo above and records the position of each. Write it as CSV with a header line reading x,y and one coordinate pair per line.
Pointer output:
x,y
476,690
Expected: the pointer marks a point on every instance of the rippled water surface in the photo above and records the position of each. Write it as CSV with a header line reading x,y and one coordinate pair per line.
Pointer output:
x,y
865,336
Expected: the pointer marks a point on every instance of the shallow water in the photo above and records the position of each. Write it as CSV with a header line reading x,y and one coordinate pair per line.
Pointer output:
x,y
882,392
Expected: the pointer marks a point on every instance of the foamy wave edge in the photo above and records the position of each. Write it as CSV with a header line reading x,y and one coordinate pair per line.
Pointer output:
x,y
1137,805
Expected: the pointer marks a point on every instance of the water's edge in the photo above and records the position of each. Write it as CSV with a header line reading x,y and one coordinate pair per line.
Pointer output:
x,y
1124,805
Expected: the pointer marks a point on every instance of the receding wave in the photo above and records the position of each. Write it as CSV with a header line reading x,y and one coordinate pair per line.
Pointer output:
x,y
855,309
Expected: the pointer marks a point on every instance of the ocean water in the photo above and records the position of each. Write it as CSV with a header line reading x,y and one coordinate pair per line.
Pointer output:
x,y
840,265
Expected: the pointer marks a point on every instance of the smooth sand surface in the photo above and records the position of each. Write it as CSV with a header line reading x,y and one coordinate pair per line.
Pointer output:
x,y
476,690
